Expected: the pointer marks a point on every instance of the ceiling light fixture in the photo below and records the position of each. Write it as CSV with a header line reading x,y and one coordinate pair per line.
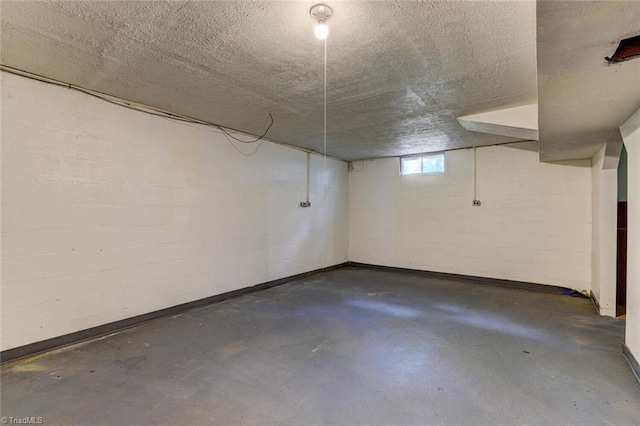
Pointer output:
x,y
321,12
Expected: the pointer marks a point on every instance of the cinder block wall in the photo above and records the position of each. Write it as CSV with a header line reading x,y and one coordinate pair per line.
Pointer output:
x,y
631,134
534,223
109,213
605,223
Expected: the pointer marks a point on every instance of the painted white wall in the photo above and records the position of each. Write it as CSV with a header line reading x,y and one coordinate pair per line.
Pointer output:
x,y
605,226
631,134
109,213
534,224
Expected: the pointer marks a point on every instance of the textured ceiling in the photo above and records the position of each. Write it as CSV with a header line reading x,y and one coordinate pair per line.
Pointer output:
x,y
399,72
582,99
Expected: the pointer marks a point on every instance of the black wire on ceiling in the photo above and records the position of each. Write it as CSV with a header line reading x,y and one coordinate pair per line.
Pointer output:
x,y
253,141
140,108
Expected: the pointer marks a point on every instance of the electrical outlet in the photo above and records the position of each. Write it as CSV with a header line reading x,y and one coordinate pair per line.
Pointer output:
x,y
477,203
305,203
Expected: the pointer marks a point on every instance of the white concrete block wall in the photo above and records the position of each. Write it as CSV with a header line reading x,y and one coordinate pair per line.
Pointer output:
x,y
534,224
109,213
631,134
604,239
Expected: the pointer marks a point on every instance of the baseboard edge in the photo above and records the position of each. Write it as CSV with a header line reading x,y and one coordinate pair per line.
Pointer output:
x,y
482,280
595,302
31,349
633,362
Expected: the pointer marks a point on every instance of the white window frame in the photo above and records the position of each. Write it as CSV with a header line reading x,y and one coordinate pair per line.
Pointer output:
x,y
422,157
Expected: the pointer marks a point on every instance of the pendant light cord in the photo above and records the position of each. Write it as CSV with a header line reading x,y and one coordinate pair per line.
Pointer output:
x,y
475,175
324,133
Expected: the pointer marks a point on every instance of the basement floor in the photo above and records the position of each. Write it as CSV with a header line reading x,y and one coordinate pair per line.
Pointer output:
x,y
346,346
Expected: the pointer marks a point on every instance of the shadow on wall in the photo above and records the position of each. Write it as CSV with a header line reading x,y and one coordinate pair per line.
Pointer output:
x,y
531,146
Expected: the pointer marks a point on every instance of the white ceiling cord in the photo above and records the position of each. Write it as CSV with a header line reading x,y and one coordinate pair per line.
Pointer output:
x,y
475,175
321,12
324,127
476,202
308,178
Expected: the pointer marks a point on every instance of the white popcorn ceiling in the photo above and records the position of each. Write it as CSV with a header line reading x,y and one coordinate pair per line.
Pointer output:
x,y
399,72
582,99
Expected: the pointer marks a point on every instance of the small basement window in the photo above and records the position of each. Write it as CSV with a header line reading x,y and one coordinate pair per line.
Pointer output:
x,y
423,164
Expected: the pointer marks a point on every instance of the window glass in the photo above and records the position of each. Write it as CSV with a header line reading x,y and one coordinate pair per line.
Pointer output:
x,y
411,166
433,163
425,164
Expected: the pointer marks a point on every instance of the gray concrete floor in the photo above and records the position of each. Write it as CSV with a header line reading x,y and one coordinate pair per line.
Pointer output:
x,y
344,347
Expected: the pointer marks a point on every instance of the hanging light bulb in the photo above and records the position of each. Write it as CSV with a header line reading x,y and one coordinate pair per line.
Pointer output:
x,y
321,12
321,31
